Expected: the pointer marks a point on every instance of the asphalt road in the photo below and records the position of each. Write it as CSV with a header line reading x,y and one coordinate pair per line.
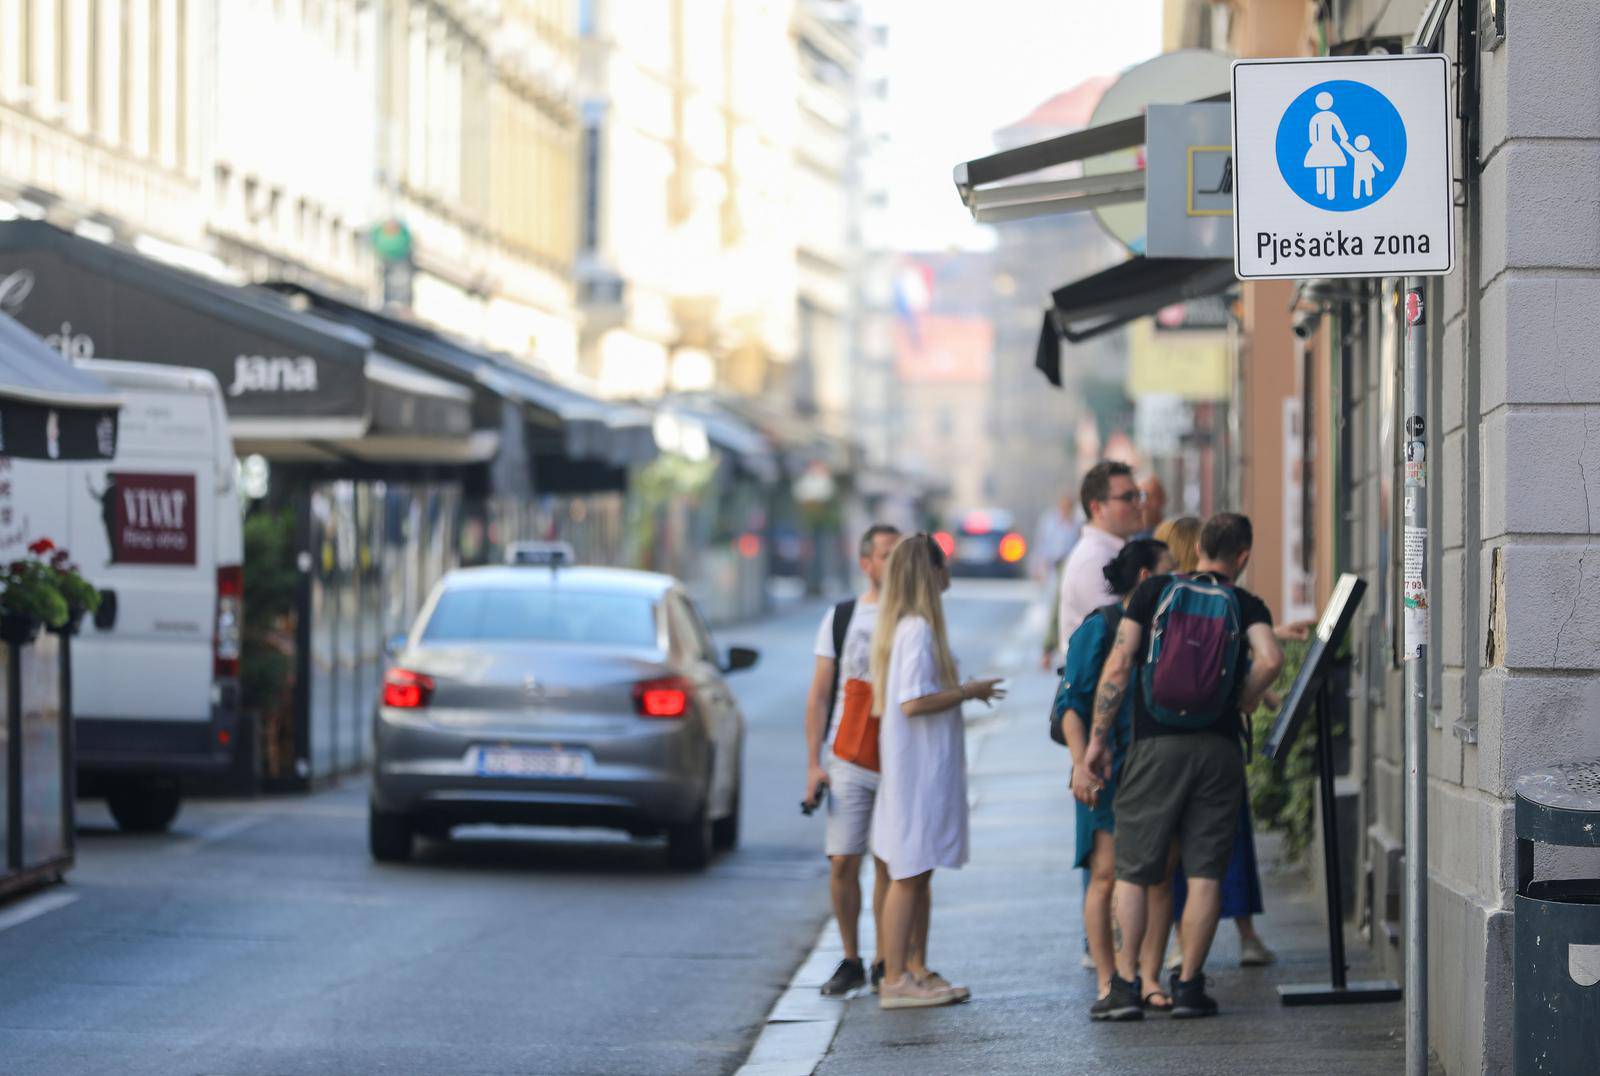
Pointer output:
x,y
258,937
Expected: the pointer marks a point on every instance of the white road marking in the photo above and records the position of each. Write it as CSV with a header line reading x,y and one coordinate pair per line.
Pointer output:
x,y
219,832
34,907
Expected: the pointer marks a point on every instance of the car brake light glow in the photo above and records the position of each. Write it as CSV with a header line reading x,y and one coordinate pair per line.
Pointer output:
x,y
666,697
977,523
227,638
946,543
1013,548
406,690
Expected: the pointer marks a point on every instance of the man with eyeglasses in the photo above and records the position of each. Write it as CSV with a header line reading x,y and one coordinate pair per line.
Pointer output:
x,y
1113,505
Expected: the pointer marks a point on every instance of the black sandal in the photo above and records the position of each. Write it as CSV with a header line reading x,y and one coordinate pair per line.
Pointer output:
x,y
1147,1004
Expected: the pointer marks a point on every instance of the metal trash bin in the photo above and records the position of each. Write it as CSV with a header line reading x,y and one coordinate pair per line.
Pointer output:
x,y
1556,948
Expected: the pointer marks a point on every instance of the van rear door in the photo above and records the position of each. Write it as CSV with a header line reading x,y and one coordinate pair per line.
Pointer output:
x,y
143,530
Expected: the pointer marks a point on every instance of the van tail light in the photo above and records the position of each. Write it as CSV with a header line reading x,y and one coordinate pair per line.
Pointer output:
x,y
406,690
1013,548
666,697
228,637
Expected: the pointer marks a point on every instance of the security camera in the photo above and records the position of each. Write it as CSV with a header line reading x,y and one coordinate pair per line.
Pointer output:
x,y
1305,323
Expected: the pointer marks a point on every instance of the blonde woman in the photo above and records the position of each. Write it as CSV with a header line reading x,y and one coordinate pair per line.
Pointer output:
x,y
1181,536
920,820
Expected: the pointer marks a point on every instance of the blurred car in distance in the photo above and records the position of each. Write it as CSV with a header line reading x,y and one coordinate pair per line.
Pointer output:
x,y
571,696
986,543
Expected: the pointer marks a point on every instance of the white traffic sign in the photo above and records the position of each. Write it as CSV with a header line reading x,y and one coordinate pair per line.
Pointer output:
x,y
1342,167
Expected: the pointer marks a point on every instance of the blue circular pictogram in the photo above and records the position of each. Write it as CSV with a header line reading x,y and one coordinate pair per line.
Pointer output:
x,y
1341,145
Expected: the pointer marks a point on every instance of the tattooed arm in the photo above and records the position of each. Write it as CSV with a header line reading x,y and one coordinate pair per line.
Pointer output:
x,y
1116,677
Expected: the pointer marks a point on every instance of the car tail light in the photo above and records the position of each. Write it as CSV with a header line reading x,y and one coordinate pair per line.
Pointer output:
x,y
946,543
406,690
666,697
225,641
1013,548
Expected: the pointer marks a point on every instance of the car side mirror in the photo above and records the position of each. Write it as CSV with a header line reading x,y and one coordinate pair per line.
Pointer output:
x,y
395,644
740,657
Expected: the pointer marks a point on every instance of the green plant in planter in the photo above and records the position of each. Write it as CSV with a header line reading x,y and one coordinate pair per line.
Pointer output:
x,y
266,659
1286,800
31,592
82,596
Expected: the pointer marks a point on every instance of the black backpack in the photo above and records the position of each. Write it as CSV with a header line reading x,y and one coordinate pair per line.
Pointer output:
x,y
842,614
1112,613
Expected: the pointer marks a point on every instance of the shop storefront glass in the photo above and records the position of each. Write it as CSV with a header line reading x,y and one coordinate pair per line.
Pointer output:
x,y
378,548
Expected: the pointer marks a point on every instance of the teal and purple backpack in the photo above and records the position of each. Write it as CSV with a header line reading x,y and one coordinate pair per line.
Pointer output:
x,y
1193,660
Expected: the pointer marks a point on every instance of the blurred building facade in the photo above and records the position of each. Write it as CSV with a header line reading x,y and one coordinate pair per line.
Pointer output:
x,y
1033,425
454,123
944,346
829,42
687,267
104,107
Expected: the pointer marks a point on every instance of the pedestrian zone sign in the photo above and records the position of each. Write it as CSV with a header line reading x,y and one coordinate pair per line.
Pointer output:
x,y
1342,167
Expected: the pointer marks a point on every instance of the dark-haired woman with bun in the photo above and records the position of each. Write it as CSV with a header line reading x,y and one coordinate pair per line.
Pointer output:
x,y
1086,652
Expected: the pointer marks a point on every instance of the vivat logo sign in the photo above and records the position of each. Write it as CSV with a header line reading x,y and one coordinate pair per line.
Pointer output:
x,y
1341,145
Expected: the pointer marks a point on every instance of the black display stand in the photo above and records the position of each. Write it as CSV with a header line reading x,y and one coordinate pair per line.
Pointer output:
x,y
1311,696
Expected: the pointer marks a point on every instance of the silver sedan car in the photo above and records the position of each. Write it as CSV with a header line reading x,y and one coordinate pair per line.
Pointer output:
x,y
559,696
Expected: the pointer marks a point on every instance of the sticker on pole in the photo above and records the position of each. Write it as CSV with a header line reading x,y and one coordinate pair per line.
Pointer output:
x,y
1342,167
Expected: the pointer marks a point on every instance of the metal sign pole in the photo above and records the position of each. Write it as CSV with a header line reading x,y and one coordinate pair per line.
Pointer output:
x,y
1414,602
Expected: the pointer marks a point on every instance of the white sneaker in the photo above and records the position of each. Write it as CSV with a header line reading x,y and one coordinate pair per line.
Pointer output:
x,y
1175,960
1253,953
1086,961
911,993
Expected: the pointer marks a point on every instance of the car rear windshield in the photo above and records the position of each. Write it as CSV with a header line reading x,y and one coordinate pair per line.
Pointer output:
x,y
544,615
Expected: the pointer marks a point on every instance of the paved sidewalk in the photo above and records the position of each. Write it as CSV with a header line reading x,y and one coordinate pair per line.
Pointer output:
x,y
1009,925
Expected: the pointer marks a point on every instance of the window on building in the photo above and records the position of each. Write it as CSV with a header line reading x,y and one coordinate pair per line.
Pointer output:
x,y
63,86
587,17
125,74
593,132
155,70
27,35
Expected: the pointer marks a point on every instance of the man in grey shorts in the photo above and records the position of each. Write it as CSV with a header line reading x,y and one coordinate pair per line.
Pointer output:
x,y
844,652
1182,784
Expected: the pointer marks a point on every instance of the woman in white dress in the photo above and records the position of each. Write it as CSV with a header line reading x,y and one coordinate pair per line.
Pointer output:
x,y
1327,135
920,819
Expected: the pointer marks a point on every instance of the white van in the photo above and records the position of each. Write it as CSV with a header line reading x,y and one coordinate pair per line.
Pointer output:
x,y
155,672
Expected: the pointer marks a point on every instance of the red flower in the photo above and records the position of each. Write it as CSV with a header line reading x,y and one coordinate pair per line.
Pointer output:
x,y
60,559
41,547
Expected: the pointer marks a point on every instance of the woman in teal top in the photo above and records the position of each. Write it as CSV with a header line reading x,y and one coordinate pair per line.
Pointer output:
x,y
1096,824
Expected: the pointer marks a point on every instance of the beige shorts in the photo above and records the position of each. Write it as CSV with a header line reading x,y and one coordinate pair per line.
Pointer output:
x,y
851,793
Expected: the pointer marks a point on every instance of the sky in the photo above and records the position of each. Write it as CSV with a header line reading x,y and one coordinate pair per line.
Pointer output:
x,y
960,69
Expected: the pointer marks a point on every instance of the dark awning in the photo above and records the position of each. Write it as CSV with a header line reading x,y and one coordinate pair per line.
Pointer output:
x,y
282,373
1111,298
701,421
49,410
562,420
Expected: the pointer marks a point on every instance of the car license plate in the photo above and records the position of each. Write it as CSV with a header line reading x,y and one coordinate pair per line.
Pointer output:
x,y
530,762
972,549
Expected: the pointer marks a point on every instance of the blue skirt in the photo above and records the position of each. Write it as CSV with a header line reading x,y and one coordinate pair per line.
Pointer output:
x,y
1241,886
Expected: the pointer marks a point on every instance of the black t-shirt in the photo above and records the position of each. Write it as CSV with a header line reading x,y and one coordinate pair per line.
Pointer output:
x,y
1142,611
